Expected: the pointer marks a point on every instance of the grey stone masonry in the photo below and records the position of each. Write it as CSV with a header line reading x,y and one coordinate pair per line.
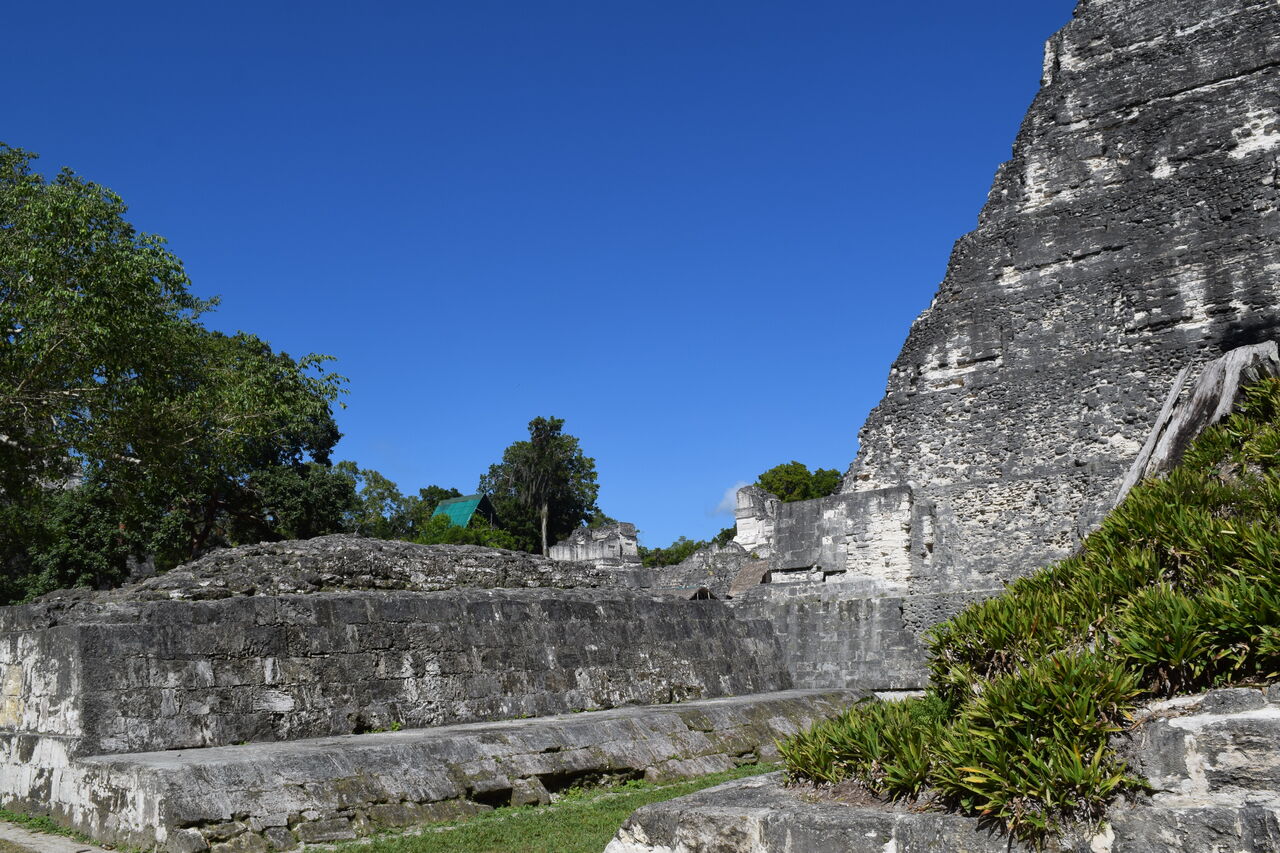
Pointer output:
x,y
1135,230
713,568
341,562
273,796
123,677
1213,762
837,635
1133,238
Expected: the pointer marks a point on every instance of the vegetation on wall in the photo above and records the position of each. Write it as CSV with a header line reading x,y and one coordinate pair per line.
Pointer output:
x,y
1177,591
793,481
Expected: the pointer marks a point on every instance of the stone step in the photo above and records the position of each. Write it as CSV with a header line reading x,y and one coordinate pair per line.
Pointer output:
x,y
263,796
1213,759
1225,742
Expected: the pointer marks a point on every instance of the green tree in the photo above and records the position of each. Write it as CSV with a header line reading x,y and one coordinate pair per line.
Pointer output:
x,y
677,552
381,511
90,311
230,410
425,504
441,531
544,487
794,482
120,412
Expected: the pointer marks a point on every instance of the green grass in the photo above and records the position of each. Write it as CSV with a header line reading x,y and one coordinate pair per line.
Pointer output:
x,y
582,821
40,824
1177,591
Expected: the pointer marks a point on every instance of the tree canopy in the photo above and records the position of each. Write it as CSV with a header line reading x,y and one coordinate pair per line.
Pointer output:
x,y
544,487
126,427
793,481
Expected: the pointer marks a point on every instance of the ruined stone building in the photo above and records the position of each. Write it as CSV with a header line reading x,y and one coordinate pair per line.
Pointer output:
x,y
321,690
1135,231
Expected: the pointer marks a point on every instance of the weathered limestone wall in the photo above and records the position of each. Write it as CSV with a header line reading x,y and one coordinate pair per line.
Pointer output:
x,y
124,677
756,518
713,568
1135,231
840,634
233,799
338,562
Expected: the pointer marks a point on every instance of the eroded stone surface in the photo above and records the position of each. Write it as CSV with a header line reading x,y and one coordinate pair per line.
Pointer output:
x,y
119,676
613,546
713,568
1214,761
343,562
272,796
1135,232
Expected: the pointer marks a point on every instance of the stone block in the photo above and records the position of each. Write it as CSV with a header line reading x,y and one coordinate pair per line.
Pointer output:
x,y
529,792
331,829
280,838
1232,701
186,841
246,842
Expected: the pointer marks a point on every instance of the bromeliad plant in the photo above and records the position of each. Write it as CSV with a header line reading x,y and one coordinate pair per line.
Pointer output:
x,y
1177,591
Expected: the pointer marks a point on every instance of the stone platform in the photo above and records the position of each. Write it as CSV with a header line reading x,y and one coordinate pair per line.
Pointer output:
x,y
263,796
1213,762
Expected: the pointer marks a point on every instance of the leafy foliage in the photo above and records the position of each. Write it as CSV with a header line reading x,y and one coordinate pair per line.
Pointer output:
x,y
439,531
677,552
544,487
683,548
793,481
1177,591
126,427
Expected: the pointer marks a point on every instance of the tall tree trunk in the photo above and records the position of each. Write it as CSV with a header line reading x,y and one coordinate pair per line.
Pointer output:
x,y
544,528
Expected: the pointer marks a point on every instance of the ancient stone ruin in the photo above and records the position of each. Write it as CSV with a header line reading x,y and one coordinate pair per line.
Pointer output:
x,y
1134,234
615,545
300,692
1133,238
313,691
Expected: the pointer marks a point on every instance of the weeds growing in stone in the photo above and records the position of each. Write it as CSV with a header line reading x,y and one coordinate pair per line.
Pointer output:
x,y
1178,591
582,820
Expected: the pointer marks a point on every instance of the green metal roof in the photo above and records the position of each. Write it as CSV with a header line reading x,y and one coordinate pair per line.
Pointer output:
x,y
458,510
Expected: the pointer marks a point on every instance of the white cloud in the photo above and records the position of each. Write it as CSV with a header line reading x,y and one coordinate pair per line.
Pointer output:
x,y
729,502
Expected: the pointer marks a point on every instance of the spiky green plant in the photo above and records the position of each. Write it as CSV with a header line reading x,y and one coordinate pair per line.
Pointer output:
x,y
1178,590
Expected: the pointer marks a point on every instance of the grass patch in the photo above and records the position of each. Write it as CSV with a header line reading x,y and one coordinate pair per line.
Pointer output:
x,y
581,821
1177,591
41,824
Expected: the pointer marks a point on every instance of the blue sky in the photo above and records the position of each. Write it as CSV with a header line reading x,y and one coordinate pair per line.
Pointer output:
x,y
698,231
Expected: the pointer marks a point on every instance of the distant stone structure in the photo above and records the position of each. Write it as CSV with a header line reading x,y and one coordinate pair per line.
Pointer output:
x,y
611,546
713,569
1135,231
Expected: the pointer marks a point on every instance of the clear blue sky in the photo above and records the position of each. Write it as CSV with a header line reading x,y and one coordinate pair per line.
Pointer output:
x,y
697,230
